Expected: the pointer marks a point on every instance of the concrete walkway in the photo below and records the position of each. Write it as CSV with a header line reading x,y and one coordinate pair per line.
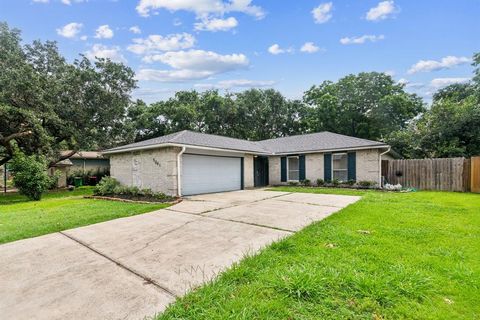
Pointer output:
x,y
134,267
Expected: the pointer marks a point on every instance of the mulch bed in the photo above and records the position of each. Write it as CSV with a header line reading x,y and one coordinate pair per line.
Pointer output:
x,y
146,200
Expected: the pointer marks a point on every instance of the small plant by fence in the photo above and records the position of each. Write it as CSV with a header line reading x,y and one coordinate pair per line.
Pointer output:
x,y
448,174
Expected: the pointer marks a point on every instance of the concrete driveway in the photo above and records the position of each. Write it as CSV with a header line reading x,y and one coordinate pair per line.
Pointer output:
x,y
134,267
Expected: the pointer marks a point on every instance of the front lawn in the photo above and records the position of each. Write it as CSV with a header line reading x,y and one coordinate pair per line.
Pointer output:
x,y
388,256
61,210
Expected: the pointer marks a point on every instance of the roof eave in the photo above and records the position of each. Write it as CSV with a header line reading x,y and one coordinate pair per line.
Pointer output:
x,y
163,145
386,146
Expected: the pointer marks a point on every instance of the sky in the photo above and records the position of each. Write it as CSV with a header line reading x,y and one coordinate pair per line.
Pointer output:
x,y
233,45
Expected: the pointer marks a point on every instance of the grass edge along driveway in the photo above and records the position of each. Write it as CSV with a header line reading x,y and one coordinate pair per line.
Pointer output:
x,y
60,210
388,256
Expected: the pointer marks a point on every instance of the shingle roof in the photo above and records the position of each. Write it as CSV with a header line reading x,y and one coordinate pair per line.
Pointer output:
x,y
198,139
84,154
320,141
316,142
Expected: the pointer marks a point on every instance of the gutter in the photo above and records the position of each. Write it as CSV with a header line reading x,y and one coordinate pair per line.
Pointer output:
x,y
380,166
155,146
179,171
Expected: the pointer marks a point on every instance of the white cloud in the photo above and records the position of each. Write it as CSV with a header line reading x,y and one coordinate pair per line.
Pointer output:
x,y
170,75
200,60
104,32
101,51
177,22
70,30
191,65
201,8
215,24
69,2
236,83
382,11
443,82
135,29
309,47
41,1
434,65
83,38
361,39
322,13
276,49
156,43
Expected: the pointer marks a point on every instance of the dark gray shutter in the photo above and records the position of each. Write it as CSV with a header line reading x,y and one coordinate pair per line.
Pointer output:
x,y
352,166
242,170
283,169
327,166
301,167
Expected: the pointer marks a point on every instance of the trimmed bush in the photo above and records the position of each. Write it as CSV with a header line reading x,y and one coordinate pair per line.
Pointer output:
x,y
109,186
106,186
30,175
320,182
366,184
305,183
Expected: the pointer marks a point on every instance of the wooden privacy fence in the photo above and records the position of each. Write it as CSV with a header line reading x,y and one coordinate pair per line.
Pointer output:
x,y
475,174
449,174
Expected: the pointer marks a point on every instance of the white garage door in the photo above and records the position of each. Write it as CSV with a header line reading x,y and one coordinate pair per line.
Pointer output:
x,y
207,174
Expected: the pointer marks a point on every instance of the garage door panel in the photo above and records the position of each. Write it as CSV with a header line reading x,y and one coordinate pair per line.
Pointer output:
x,y
207,174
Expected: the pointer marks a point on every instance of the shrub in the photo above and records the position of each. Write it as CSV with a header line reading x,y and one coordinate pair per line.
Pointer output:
x,y
106,186
54,180
306,183
30,175
350,182
366,184
293,183
320,182
335,182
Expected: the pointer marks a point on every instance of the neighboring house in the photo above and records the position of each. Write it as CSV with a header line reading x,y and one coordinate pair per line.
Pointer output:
x,y
88,162
81,163
187,163
62,169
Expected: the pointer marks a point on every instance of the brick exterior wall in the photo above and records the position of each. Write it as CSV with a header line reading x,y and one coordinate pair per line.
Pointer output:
x,y
367,166
248,179
154,169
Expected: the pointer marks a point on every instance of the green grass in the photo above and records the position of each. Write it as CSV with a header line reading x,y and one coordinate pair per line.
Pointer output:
x,y
57,211
388,256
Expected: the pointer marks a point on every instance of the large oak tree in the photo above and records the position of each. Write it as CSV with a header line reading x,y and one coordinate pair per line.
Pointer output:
x,y
48,104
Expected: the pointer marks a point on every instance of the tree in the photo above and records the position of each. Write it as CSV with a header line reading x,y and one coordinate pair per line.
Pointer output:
x,y
30,175
450,128
48,104
368,105
252,114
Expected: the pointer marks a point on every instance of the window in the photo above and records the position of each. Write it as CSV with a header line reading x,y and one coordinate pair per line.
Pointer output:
x,y
293,168
340,166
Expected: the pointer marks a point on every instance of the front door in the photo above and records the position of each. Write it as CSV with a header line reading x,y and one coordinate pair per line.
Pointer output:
x,y
260,167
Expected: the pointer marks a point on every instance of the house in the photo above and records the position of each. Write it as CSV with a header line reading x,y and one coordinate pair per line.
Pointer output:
x,y
87,162
79,164
187,163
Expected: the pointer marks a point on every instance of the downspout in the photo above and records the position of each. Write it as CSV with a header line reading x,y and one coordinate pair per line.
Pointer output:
x,y
380,166
179,171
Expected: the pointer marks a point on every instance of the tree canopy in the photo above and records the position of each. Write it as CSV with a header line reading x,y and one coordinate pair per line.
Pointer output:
x,y
368,105
48,104
450,128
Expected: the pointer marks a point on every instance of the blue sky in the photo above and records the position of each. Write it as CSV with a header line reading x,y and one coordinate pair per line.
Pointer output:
x,y
233,45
